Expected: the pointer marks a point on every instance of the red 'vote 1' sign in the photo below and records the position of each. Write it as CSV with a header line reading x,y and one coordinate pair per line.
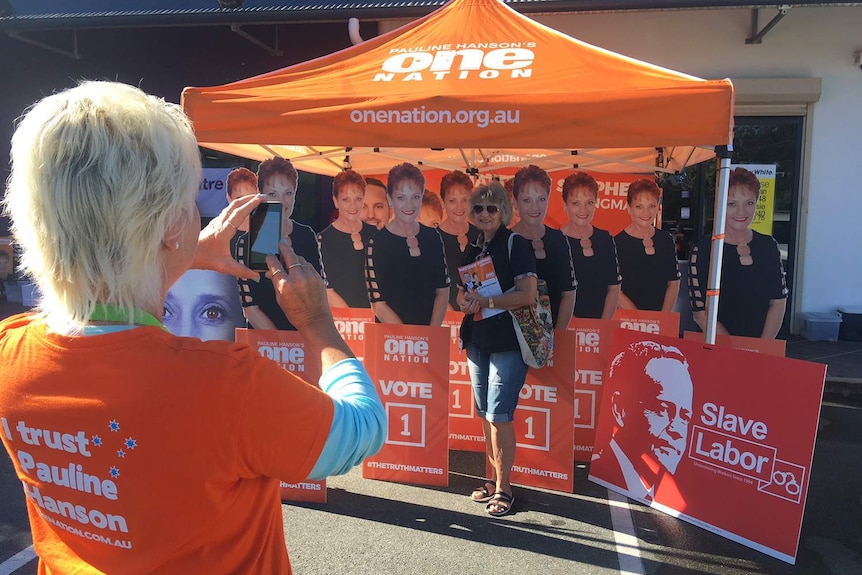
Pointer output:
x,y
350,323
592,346
465,428
409,364
287,348
543,422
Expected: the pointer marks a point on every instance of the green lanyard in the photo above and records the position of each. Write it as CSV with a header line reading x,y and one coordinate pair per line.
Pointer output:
x,y
120,314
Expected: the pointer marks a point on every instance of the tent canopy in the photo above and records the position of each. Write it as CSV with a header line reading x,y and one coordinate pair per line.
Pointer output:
x,y
473,86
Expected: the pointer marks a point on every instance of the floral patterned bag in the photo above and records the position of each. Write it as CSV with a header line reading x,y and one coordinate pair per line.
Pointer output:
x,y
534,325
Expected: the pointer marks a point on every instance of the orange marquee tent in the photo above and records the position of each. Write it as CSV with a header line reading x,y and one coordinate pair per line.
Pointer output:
x,y
478,87
474,86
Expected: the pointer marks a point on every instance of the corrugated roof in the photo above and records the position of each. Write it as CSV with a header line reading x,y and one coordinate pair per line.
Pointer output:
x,y
55,14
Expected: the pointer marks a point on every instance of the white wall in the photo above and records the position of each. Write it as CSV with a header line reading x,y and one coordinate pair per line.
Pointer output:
x,y
808,42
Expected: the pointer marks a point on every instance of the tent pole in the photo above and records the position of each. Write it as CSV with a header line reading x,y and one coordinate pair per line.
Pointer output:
x,y
712,292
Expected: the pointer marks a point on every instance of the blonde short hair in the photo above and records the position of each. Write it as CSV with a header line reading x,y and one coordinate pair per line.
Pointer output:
x,y
100,173
492,193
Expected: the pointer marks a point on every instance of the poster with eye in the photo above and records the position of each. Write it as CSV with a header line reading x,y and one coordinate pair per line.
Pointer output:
x,y
715,436
204,304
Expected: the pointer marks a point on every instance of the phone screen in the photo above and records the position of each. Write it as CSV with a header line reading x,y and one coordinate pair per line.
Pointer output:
x,y
264,234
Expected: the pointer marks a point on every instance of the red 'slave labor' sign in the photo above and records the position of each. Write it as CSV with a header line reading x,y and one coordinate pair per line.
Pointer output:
x,y
718,437
756,344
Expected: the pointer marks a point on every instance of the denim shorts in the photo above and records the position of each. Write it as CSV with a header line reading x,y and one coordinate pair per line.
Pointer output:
x,y
497,380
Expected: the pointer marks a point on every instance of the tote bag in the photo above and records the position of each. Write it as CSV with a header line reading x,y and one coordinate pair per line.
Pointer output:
x,y
534,325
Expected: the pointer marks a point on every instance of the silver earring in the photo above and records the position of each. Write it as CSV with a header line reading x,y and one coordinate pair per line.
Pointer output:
x,y
177,246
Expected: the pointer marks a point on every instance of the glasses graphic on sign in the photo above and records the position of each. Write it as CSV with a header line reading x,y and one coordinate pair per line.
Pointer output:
x,y
786,481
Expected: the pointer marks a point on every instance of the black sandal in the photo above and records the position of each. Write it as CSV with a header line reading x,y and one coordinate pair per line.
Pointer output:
x,y
501,500
483,494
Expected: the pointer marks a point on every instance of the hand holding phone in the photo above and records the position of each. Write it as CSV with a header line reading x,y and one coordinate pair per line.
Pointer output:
x,y
214,250
265,232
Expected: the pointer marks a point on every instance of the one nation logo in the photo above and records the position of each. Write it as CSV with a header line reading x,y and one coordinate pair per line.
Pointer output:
x,y
486,60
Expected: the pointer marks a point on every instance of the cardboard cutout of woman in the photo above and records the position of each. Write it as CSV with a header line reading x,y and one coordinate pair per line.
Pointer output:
x,y
277,180
753,292
343,243
456,230
647,255
594,253
406,272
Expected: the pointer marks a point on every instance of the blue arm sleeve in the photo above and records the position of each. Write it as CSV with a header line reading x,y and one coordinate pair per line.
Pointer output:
x,y
358,422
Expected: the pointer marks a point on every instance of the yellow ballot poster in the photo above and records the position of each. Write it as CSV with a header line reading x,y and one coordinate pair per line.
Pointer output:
x,y
762,220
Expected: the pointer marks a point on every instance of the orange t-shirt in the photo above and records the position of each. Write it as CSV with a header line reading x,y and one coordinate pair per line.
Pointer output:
x,y
142,452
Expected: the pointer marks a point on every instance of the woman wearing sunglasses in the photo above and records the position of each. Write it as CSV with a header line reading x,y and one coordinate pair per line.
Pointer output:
x,y
497,371
531,189
593,250
405,272
647,254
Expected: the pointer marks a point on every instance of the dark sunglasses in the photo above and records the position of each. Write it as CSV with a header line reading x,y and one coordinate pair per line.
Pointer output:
x,y
479,208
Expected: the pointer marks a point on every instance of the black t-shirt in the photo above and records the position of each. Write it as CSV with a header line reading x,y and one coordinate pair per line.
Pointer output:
x,y
595,273
556,268
454,255
745,290
262,293
497,333
345,265
405,283
645,277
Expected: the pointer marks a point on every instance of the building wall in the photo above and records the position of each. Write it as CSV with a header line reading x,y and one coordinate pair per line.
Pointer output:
x,y
808,42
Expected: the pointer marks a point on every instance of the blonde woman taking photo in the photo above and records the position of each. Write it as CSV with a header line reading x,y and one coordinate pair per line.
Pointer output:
x,y
140,451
